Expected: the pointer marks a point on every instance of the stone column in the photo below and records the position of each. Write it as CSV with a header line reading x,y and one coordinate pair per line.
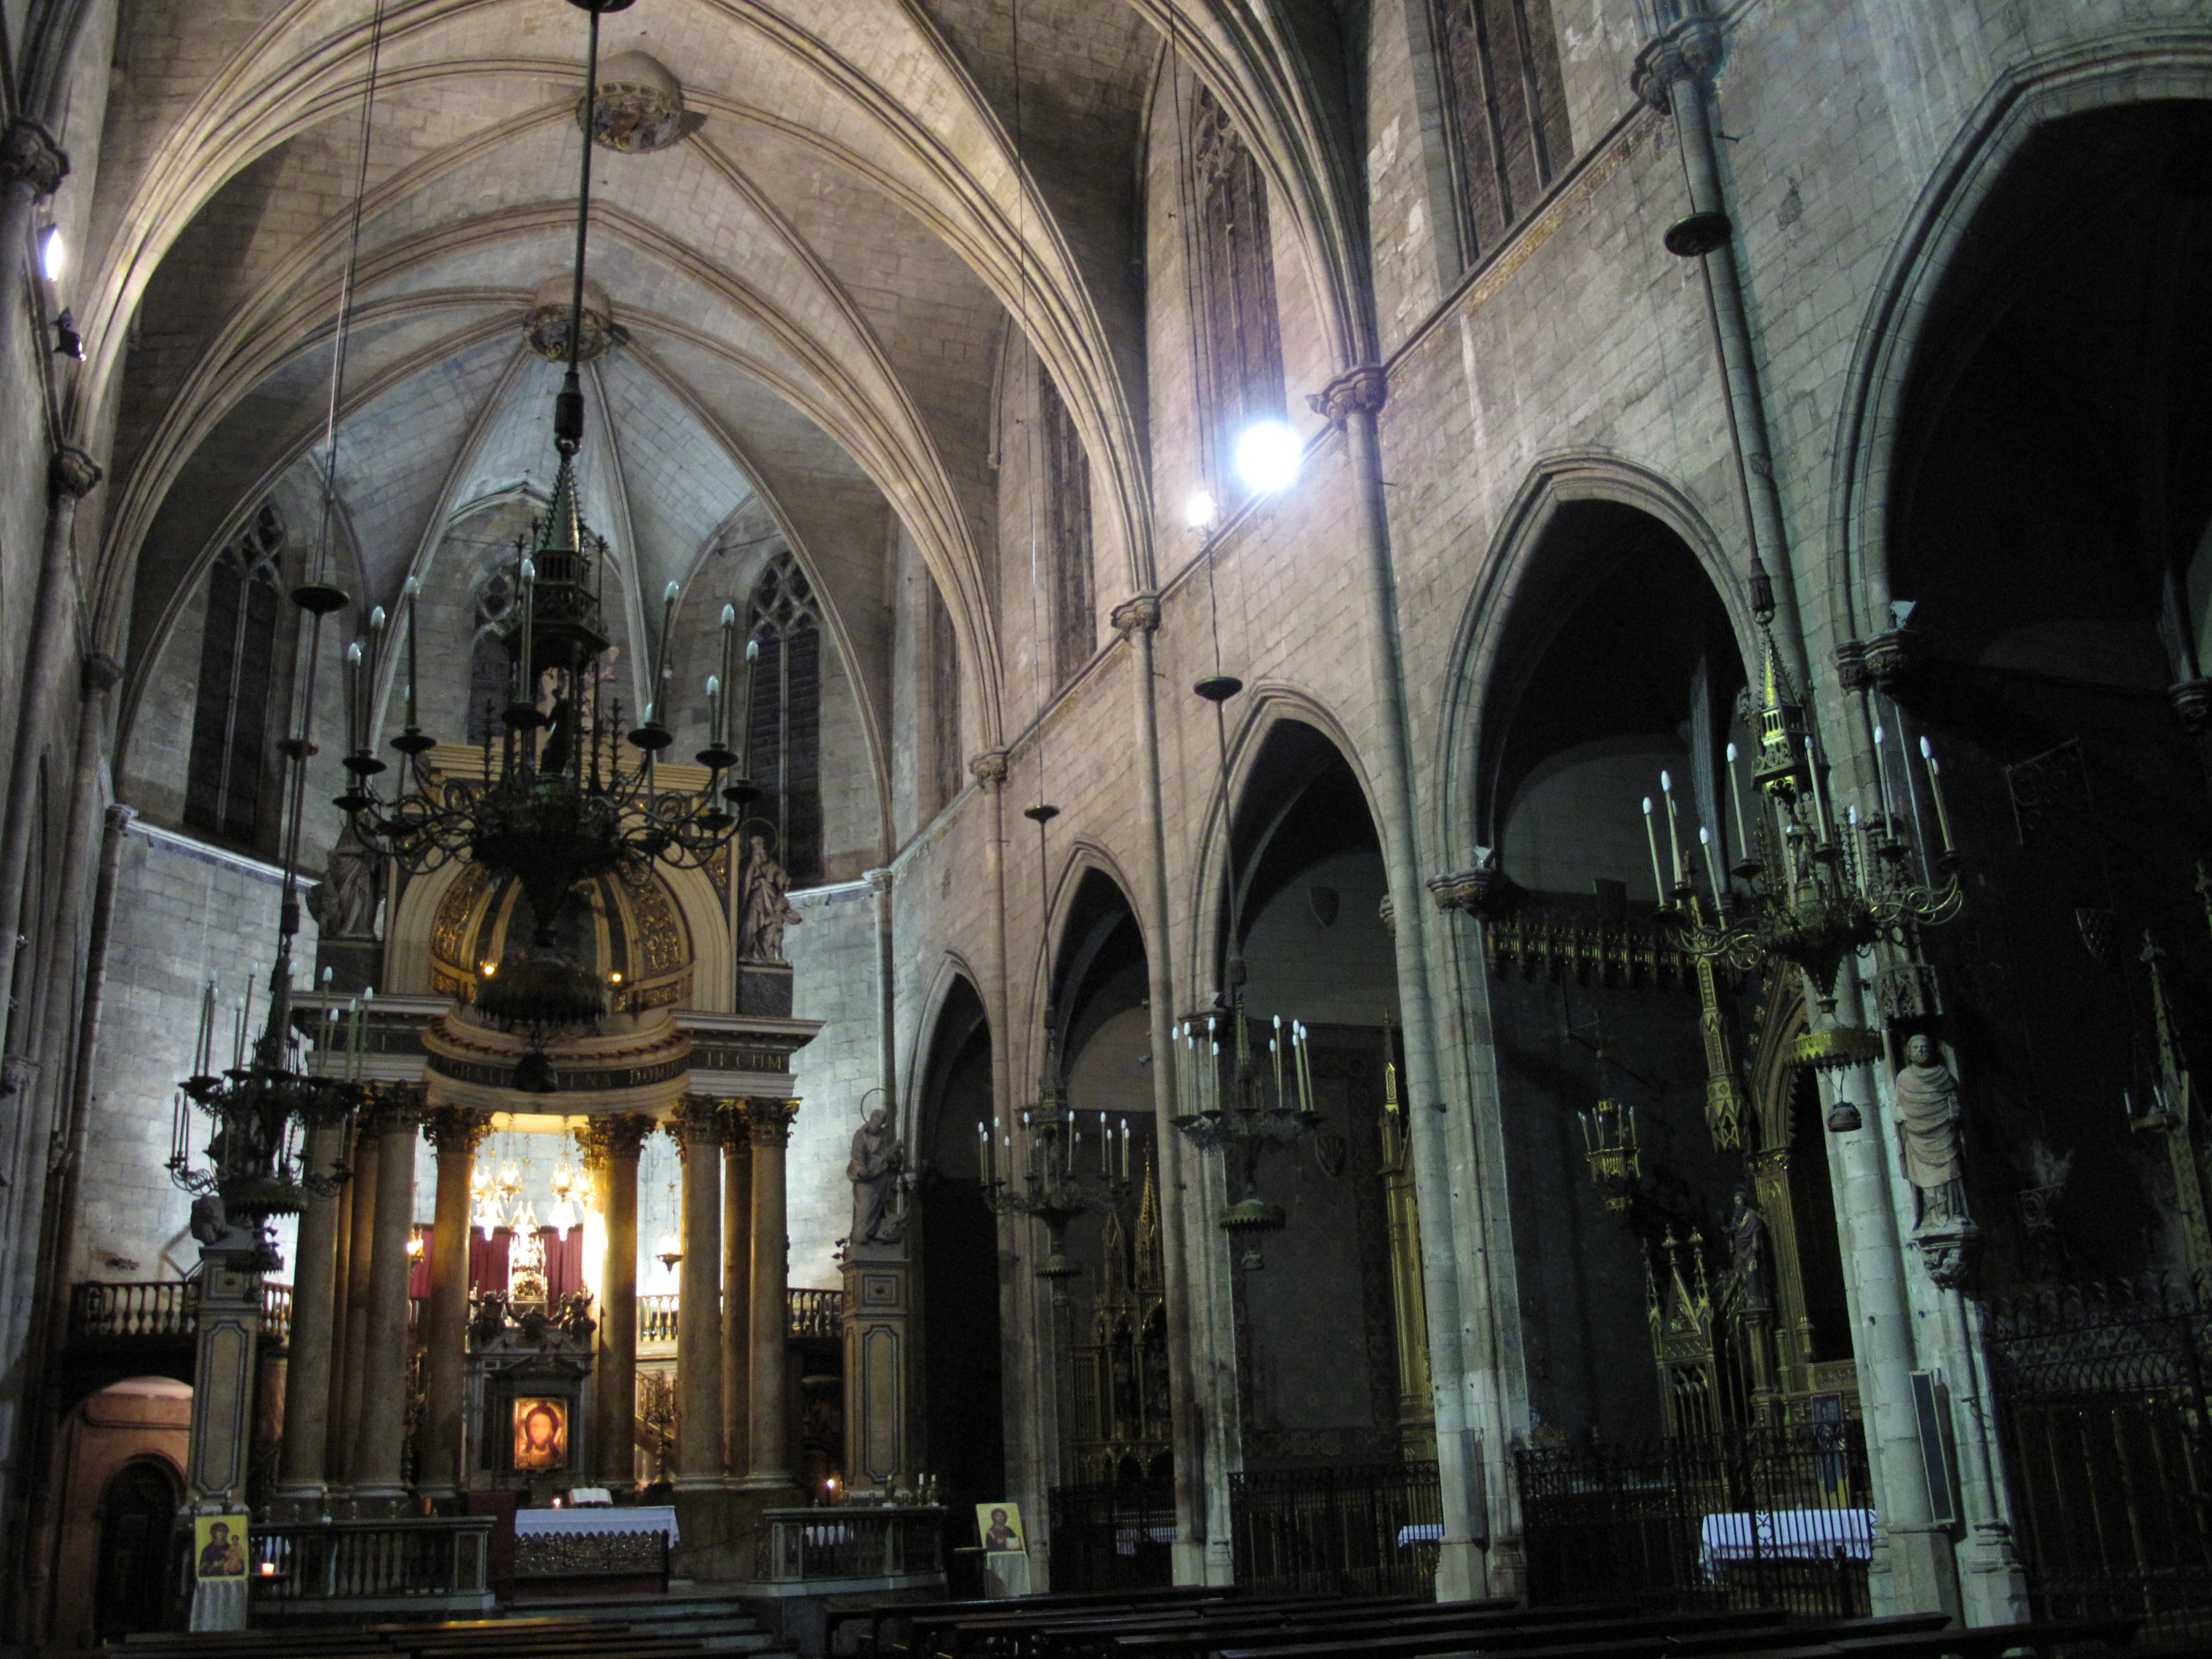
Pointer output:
x,y
736,1288
769,1468
380,1442
698,1131
32,165
456,1131
351,1342
610,1146
303,1474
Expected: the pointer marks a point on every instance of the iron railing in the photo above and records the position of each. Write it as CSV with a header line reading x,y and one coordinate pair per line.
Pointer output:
x,y
103,1310
1113,1536
1364,1529
2102,1396
850,1542
370,1564
1765,1517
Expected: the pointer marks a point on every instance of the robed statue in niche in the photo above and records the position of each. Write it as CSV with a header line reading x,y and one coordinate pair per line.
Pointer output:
x,y
878,1160
1928,1114
766,909
1754,1293
344,903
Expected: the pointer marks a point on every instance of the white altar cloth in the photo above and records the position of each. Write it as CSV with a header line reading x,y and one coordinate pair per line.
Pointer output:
x,y
1784,1535
640,1518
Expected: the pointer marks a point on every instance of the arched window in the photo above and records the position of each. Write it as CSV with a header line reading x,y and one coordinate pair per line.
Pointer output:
x,y
1508,111
1240,343
786,740
946,770
237,682
1067,494
491,670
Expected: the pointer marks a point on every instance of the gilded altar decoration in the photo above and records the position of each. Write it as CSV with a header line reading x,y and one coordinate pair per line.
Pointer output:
x,y
541,1434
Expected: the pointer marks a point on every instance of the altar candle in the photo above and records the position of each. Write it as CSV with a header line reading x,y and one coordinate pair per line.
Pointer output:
x,y
746,731
715,709
1275,1053
1651,837
353,694
660,658
1712,862
1936,792
729,645
414,633
1881,773
376,624
1736,800
1813,787
1673,828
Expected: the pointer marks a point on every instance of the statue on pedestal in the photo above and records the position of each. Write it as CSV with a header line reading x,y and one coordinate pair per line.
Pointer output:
x,y
344,903
877,1161
1928,1114
1748,1257
766,910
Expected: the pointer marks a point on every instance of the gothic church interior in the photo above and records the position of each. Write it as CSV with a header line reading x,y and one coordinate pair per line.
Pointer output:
x,y
1364,797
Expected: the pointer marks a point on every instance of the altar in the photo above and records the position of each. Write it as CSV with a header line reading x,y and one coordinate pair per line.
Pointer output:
x,y
598,1542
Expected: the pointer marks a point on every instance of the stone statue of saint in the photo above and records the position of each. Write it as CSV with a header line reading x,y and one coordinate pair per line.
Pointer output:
x,y
1747,1256
1928,1114
344,903
877,1161
766,910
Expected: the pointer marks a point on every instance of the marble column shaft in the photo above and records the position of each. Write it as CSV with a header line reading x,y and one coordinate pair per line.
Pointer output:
x,y
456,1133
382,1441
302,1474
699,1129
610,1146
352,1345
769,1465
737,1288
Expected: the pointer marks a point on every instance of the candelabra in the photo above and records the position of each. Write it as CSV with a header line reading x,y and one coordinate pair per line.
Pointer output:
x,y
1244,1108
1056,1188
1616,1158
1815,882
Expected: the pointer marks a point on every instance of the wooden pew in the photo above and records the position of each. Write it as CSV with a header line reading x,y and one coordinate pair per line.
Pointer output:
x,y
1638,1634
923,1617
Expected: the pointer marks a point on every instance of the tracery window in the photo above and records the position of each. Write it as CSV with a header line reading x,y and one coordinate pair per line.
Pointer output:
x,y
1240,343
491,670
229,758
786,745
1507,109
1067,490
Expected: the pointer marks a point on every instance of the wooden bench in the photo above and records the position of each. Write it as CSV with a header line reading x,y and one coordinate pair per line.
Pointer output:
x,y
1521,1633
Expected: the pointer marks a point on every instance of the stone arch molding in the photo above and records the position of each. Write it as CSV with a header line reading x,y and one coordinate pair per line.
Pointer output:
x,y
2137,66
1272,703
1081,859
952,967
1456,812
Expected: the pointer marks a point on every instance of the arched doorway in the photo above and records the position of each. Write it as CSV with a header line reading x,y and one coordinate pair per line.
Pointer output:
x,y
963,1429
137,1515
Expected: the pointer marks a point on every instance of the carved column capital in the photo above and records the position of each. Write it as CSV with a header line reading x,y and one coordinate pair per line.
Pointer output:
x,y
391,1108
99,672
1360,390
736,1128
1689,50
455,1128
1141,615
769,1121
989,768
697,1121
30,154
617,1139
1851,666
71,472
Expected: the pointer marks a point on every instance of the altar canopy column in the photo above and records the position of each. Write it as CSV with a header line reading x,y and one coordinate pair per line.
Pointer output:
x,y
737,1285
302,1474
610,1146
455,1131
698,1131
378,1488
768,1466
352,1345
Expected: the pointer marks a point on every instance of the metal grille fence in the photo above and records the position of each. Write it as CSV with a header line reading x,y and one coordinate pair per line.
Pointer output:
x,y
1367,1528
1776,1518
1113,1536
2102,1393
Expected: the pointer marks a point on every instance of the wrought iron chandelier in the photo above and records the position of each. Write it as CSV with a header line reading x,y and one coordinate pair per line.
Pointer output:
x,y
1816,881
1056,1188
560,801
1242,1108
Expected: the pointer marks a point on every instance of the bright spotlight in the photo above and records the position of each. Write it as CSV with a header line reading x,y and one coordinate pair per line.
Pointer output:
x,y
1267,454
51,254
1198,513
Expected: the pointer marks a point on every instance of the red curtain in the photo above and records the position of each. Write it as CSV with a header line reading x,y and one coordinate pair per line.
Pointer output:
x,y
418,1270
487,1262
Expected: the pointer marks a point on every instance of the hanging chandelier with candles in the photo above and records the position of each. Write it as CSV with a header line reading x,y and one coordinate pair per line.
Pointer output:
x,y
1815,880
565,795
